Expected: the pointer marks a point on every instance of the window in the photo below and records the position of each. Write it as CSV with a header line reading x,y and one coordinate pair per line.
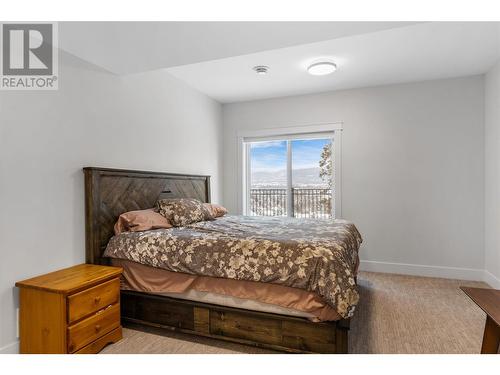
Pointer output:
x,y
294,175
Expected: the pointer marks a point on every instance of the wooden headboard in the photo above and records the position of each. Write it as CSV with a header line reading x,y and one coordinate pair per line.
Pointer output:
x,y
111,192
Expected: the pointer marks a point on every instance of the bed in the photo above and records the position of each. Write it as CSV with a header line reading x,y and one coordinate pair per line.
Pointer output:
x,y
250,316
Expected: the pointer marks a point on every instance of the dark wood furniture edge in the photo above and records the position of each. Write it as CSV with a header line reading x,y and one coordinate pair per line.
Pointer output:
x,y
115,171
491,333
337,329
467,290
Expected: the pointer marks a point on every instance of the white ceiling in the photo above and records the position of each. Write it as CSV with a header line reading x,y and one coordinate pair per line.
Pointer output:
x,y
414,53
133,47
217,57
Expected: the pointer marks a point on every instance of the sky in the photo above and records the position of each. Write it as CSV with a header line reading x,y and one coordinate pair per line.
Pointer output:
x,y
271,155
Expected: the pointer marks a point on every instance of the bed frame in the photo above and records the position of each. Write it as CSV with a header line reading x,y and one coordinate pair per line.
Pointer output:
x,y
111,192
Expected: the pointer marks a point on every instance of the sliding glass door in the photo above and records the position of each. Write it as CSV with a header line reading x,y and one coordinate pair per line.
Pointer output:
x,y
311,180
268,178
290,176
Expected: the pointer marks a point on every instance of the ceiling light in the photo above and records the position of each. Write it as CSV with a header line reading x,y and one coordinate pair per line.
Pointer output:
x,y
322,68
261,69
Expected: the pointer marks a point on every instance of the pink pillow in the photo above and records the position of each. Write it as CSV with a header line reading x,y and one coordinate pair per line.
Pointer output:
x,y
137,221
216,209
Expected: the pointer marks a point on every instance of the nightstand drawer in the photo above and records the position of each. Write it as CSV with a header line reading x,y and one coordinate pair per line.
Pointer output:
x,y
90,329
93,299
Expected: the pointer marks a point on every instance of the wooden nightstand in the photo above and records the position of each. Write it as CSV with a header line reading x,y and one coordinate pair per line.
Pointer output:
x,y
74,310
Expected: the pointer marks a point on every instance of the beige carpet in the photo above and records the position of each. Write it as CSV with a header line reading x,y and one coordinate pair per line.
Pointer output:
x,y
396,314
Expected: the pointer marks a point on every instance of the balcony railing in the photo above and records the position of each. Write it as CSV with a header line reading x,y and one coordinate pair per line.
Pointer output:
x,y
306,202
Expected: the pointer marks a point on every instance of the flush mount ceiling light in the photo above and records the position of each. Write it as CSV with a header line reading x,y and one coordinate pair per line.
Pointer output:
x,y
261,69
321,68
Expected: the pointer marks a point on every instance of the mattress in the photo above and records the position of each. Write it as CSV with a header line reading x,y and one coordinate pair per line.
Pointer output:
x,y
311,255
247,295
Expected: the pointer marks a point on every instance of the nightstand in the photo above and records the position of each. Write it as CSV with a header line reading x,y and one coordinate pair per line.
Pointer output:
x,y
74,310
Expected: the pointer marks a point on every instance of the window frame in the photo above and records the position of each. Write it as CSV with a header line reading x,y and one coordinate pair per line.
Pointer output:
x,y
331,130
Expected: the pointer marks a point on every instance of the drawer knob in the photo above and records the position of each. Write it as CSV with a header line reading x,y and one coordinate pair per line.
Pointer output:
x,y
97,328
97,300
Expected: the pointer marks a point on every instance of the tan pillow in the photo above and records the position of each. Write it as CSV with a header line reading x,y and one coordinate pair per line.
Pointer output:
x,y
216,209
184,211
137,221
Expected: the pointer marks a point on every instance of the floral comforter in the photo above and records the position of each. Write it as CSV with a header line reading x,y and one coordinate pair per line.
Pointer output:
x,y
317,255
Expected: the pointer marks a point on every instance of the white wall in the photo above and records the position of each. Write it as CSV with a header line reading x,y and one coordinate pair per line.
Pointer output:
x,y
412,165
492,175
148,121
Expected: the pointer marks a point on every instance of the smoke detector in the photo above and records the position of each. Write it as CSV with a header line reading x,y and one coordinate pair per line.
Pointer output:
x,y
261,69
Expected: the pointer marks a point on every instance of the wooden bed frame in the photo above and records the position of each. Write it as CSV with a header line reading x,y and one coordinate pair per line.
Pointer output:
x,y
111,192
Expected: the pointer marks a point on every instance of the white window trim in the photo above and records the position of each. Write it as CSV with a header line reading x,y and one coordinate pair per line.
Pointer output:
x,y
243,162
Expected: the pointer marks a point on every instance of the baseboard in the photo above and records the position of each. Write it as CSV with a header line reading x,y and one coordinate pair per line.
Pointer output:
x,y
423,270
12,348
491,280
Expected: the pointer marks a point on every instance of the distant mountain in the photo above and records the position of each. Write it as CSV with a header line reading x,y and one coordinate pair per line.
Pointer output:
x,y
306,177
